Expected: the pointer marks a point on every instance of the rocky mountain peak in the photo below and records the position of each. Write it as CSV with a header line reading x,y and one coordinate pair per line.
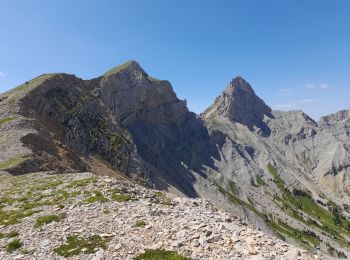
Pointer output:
x,y
240,104
130,66
133,95
237,85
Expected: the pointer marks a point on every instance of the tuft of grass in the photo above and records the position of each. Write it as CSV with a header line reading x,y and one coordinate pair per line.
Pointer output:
x,y
121,197
277,179
118,196
35,204
117,69
140,223
11,217
96,197
6,201
13,245
76,245
154,79
232,187
48,185
48,219
12,233
81,183
259,181
6,120
160,254
161,198
11,162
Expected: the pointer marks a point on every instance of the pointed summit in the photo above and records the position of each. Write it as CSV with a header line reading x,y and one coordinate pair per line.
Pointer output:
x,y
131,65
236,85
240,104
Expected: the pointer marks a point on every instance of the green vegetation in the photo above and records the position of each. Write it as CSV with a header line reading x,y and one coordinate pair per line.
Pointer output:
x,y
140,223
96,197
12,233
34,200
117,69
6,201
328,220
6,120
81,183
11,162
259,181
13,245
17,203
116,141
11,217
47,185
153,79
161,198
306,237
233,198
277,179
232,187
76,245
160,254
121,197
26,87
48,219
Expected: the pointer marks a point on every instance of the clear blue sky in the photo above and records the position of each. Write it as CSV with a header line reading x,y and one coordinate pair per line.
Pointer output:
x,y
295,53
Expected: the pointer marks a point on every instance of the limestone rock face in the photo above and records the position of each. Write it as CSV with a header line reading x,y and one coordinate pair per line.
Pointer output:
x,y
240,104
131,94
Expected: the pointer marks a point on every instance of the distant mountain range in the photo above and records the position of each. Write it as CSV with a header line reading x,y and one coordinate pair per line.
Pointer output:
x,y
287,174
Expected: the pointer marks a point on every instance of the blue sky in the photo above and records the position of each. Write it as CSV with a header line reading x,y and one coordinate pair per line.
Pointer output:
x,y
295,53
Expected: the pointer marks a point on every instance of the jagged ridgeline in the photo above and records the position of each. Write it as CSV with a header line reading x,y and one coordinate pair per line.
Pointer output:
x,y
287,174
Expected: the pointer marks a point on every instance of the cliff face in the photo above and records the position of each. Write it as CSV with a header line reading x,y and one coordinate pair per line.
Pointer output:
x,y
284,172
67,128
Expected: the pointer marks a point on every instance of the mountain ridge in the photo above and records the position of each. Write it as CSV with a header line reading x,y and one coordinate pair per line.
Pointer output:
x,y
270,167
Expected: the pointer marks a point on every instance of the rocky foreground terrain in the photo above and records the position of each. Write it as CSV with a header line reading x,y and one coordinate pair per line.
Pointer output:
x,y
286,174
83,216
